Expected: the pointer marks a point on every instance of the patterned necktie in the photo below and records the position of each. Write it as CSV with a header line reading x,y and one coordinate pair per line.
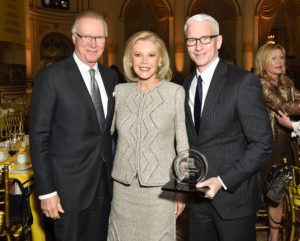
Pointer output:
x,y
197,105
96,98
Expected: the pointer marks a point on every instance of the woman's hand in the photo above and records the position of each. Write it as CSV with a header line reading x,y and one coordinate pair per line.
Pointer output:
x,y
179,204
284,120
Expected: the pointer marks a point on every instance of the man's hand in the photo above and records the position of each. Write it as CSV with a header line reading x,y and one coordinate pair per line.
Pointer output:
x,y
179,204
214,185
51,207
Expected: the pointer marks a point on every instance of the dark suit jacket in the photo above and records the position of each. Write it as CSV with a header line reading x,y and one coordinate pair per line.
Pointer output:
x,y
235,136
66,144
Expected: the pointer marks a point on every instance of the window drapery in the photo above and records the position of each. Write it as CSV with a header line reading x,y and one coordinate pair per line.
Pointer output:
x,y
267,12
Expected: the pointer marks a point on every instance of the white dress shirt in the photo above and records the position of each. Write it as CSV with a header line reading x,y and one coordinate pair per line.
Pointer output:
x,y
84,70
296,128
206,76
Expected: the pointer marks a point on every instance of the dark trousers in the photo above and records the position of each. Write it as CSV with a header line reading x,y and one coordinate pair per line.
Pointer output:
x,y
49,229
90,224
207,225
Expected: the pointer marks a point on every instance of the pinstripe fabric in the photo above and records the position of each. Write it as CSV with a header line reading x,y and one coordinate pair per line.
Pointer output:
x,y
204,217
235,136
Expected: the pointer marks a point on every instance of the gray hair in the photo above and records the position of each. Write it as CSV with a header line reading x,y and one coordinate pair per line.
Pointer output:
x,y
89,14
199,18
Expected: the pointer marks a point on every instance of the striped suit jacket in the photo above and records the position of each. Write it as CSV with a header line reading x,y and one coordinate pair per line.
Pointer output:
x,y
235,136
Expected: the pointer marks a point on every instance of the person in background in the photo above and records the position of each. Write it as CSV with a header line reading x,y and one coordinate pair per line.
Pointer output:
x,y
121,77
149,118
228,123
70,142
280,95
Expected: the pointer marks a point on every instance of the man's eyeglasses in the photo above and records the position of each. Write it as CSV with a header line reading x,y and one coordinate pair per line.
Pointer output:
x,y
88,39
203,40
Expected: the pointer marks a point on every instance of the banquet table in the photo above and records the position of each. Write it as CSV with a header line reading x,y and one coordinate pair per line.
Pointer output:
x,y
23,175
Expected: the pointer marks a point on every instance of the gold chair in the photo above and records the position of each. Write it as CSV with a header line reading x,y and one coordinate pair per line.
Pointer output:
x,y
3,132
20,211
294,204
14,118
7,131
4,204
14,228
262,224
14,122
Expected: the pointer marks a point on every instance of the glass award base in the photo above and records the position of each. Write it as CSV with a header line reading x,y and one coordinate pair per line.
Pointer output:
x,y
175,186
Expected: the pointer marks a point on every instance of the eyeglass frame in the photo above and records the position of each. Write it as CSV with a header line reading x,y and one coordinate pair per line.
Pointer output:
x,y
88,38
200,39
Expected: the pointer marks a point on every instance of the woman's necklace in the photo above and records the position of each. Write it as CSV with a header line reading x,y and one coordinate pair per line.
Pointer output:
x,y
273,81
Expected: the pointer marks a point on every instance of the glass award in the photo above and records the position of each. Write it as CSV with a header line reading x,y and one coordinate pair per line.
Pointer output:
x,y
189,167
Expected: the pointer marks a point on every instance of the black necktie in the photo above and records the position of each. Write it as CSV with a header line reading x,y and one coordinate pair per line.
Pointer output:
x,y
96,98
197,104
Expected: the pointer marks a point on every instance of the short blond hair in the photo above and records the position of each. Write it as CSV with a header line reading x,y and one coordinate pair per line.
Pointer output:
x,y
264,57
163,72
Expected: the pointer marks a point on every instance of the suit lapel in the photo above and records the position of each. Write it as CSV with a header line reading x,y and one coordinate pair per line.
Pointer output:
x,y
109,90
216,85
76,81
187,107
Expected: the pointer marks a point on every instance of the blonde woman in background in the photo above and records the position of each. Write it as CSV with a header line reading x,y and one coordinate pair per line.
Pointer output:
x,y
280,95
150,121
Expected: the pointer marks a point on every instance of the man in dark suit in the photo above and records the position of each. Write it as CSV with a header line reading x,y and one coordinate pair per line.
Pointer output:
x,y
226,121
70,141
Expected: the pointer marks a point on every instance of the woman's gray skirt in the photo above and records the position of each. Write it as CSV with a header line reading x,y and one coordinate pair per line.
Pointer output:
x,y
141,213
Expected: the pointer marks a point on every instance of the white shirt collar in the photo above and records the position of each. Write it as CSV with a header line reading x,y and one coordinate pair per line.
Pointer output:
x,y
84,71
207,74
84,68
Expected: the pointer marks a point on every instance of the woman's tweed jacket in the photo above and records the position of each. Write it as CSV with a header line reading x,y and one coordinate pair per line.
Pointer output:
x,y
149,125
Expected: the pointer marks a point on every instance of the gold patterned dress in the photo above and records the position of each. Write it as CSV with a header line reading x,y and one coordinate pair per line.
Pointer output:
x,y
280,95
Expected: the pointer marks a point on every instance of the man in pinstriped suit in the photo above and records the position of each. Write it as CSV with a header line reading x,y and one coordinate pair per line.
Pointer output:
x,y
234,134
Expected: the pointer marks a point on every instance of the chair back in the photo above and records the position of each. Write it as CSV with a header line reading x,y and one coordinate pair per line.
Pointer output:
x,y
4,202
15,211
3,132
14,118
294,203
14,123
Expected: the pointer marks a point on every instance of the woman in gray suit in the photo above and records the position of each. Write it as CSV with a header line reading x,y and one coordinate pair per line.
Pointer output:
x,y
149,118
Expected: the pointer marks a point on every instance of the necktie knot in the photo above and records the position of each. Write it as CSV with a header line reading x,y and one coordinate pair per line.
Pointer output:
x,y
92,74
199,79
